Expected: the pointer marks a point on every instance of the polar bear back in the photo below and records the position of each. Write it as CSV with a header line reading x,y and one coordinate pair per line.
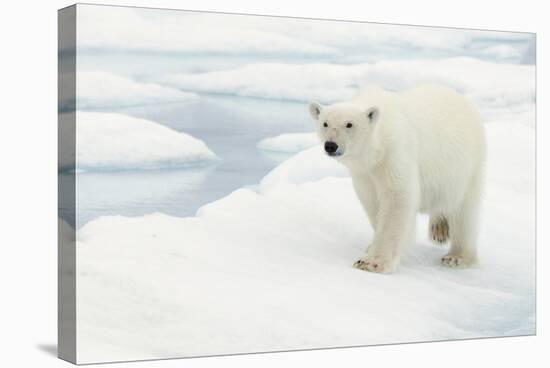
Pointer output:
x,y
446,125
438,130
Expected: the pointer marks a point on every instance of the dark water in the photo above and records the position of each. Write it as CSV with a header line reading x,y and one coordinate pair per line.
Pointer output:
x,y
230,126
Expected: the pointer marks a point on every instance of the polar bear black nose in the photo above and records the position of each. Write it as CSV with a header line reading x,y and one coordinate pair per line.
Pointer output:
x,y
331,147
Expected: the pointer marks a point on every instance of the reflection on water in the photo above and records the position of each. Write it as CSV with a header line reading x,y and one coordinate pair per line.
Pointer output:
x,y
134,193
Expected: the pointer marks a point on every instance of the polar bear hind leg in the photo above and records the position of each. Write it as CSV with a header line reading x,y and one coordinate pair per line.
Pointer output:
x,y
463,228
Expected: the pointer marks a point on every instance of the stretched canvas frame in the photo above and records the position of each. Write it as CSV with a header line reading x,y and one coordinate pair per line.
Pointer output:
x,y
256,70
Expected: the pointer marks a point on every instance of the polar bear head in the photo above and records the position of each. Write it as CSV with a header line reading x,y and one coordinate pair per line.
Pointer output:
x,y
343,128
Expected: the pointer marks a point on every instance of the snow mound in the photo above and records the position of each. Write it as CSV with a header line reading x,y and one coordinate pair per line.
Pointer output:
x,y
490,84
299,82
289,143
109,141
307,166
98,89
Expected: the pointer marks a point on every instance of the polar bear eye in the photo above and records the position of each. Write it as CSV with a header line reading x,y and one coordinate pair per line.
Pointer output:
x,y
325,124
349,125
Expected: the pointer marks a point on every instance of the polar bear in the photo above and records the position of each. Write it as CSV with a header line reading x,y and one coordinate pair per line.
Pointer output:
x,y
418,150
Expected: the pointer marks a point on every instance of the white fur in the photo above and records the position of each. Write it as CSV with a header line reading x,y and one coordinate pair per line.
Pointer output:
x,y
419,150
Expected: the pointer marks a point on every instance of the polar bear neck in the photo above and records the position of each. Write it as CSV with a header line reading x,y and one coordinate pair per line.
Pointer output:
x,y
370,157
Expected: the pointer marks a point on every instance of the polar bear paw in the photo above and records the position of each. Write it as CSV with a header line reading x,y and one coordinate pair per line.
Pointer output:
x,y
375,264
455,261
439,229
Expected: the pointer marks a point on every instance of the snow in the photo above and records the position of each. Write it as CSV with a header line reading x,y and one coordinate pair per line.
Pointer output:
x,y
488,83
502,52
271,270
513,145
108,141
307,166
99,89
299,82
195,32
500,91
187,32
289,143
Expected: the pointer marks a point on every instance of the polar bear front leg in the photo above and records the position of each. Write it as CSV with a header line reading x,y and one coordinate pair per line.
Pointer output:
x,y
395,219
365,190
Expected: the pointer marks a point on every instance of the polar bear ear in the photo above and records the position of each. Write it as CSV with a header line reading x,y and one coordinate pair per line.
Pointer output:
x,y
315,109
372,114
